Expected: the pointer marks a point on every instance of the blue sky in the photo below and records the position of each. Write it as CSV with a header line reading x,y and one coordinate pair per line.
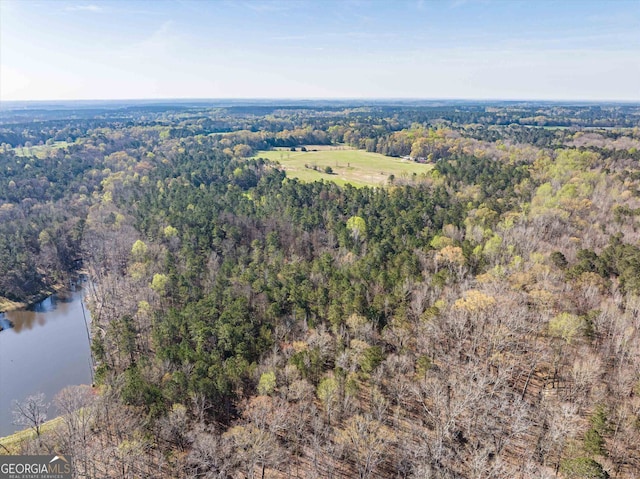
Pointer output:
x,y
476,49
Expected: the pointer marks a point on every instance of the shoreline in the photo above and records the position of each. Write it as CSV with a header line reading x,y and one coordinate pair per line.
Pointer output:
x,y
6,305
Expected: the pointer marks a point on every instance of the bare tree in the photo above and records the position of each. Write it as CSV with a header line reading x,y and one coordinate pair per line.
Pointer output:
x,y
174,426
368,441
206,457
253,447
74,403
32,412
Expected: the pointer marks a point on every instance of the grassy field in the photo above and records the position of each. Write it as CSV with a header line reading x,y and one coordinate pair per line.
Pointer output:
x,y
8,305
356,167
12,443
39,151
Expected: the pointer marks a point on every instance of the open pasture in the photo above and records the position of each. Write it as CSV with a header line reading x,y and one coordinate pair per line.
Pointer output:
x,y
356,167
39,151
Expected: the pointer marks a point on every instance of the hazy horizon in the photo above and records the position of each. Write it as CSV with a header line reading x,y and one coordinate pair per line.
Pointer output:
x,y
252,100
468,50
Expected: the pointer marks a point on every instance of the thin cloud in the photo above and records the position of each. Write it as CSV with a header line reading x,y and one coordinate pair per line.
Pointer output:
x,y
337,35
85,8
287,38
457,3
160,43
273,6
453,4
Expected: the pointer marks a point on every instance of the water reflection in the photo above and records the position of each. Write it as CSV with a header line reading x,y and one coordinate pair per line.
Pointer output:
x,y
35,315
44,305
5,323
46,350
25,320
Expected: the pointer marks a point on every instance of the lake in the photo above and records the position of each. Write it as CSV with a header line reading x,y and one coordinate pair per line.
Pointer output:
x,y
46,350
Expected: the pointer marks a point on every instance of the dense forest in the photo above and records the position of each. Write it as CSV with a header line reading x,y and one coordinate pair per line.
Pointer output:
x,y
479,320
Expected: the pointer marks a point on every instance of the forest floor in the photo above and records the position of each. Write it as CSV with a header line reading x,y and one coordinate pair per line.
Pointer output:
x,y
356,167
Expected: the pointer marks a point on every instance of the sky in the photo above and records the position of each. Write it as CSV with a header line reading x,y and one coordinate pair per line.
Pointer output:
x,y
453,49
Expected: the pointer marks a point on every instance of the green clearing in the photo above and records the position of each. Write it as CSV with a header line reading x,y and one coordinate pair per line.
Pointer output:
x,y
356,167
39,151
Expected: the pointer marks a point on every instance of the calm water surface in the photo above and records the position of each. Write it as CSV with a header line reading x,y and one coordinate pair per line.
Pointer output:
x,y
45,351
